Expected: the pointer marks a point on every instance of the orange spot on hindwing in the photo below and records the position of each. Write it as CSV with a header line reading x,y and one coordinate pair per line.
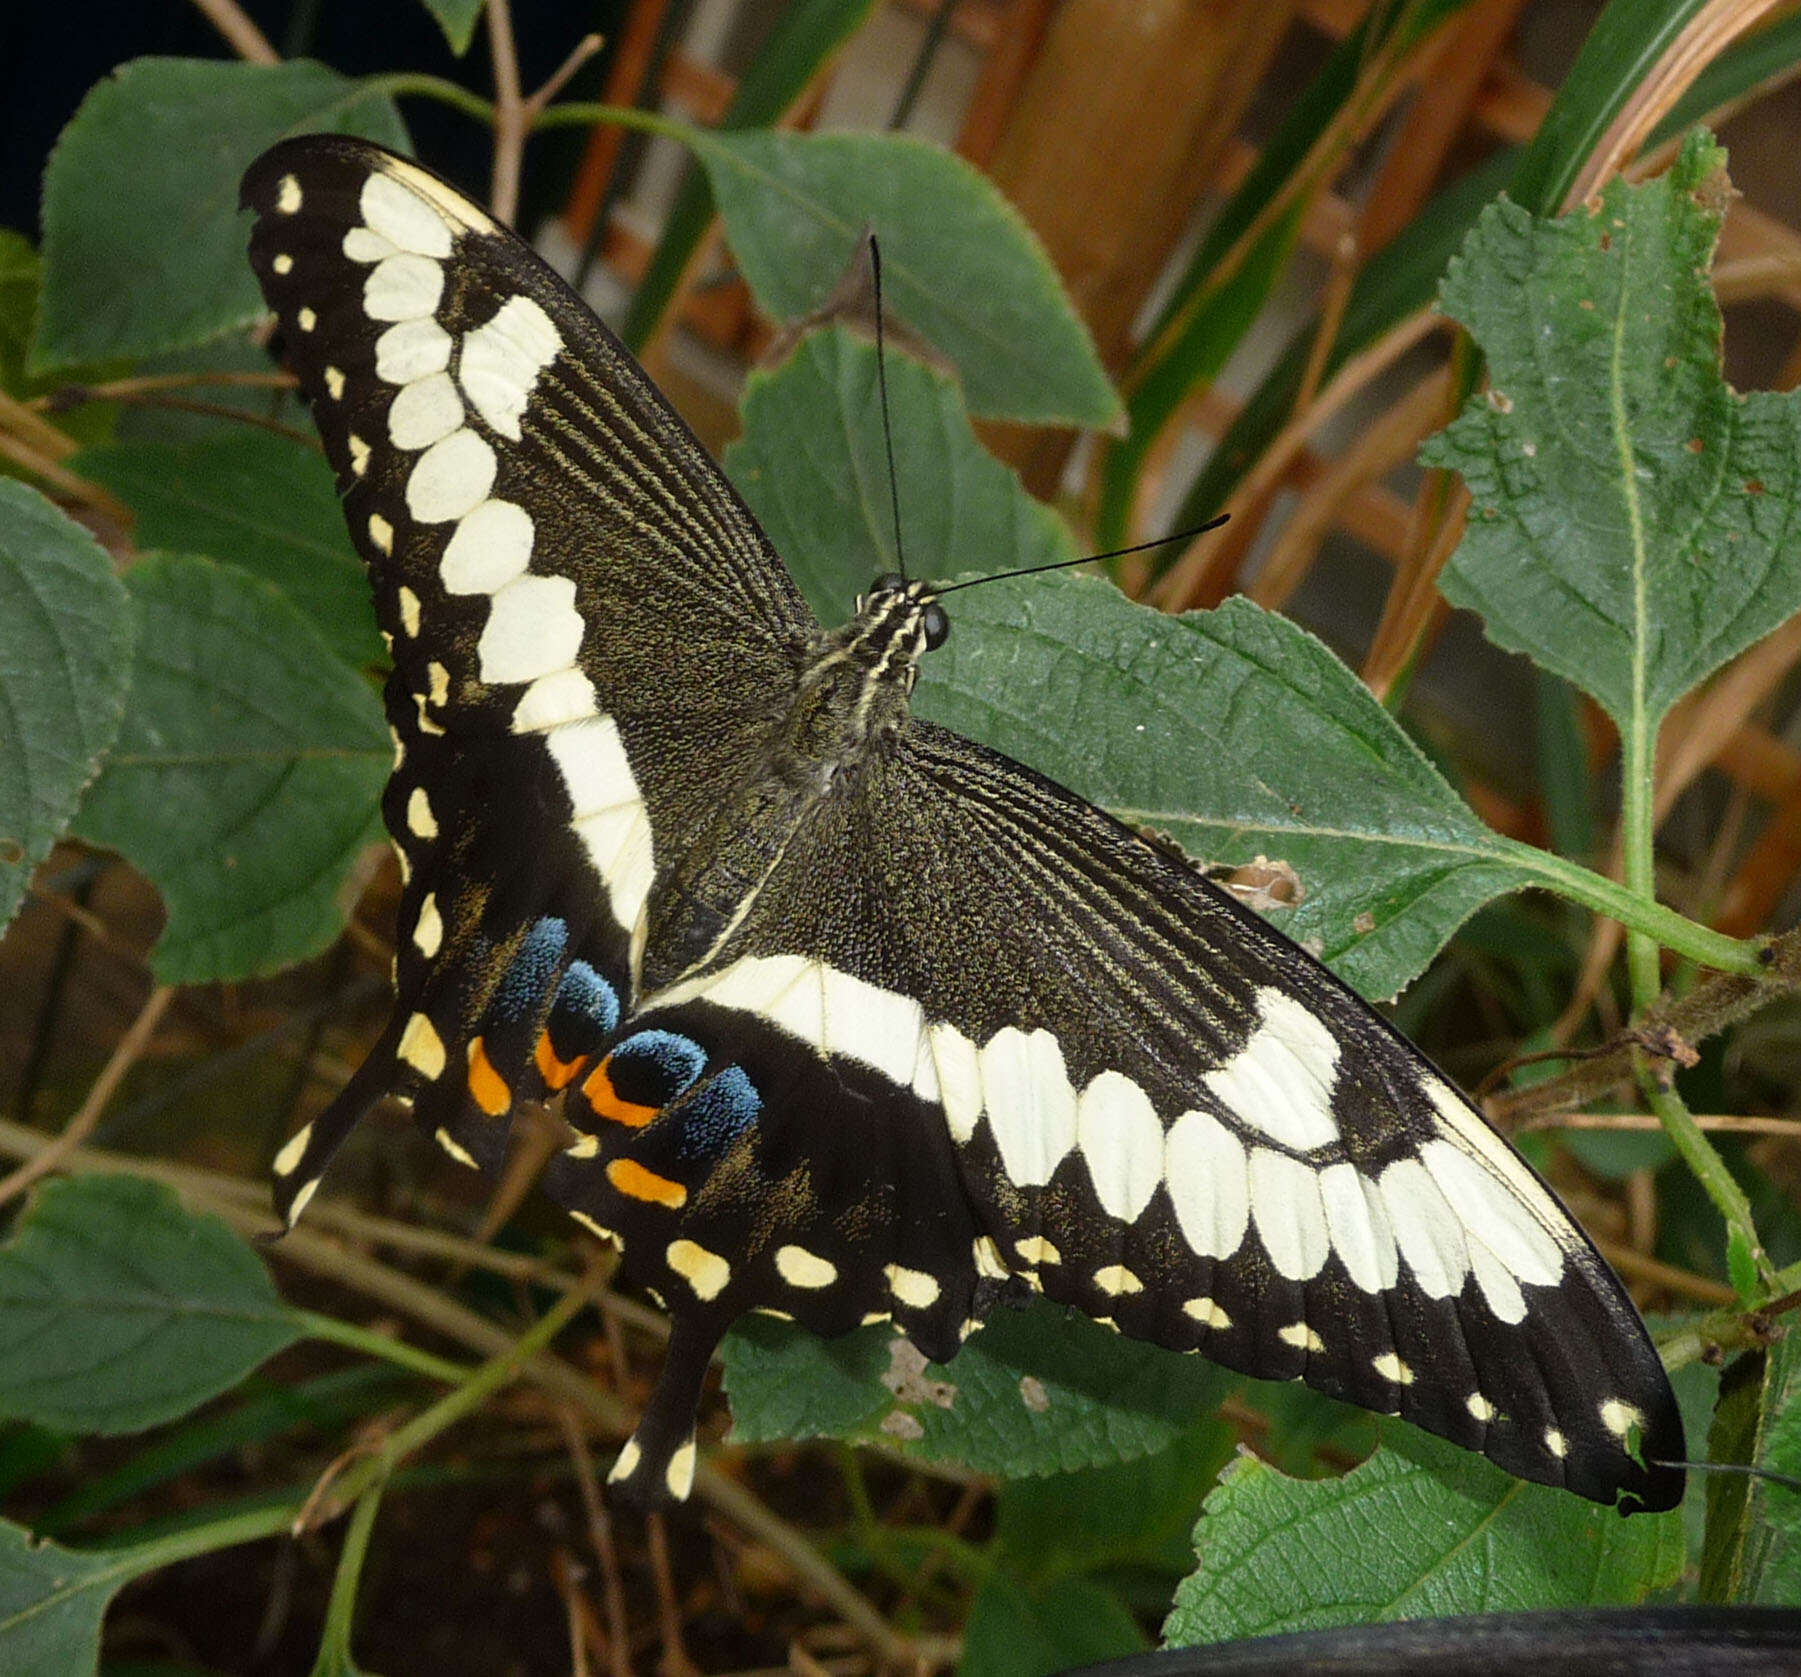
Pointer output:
x,y
486,1084
557,1074
600,1094
634,1181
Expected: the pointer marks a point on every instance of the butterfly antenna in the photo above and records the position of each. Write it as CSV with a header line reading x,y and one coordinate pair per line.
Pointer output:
x,y
881,377
1786,1480
1093,558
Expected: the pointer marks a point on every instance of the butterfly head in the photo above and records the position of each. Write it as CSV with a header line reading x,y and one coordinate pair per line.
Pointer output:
x,y
921,598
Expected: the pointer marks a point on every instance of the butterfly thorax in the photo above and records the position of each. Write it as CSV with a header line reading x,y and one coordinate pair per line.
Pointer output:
x,y
851,696
856,683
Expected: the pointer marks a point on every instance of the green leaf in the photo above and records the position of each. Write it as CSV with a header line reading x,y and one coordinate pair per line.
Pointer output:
x,y
1036,1391
457,18
1239,735
1632,523
804,35
245,781
784,1384
119,1309
1752,1548
1134,1514
1047,1391
811,462
1019,1630
1773,1517
256,500
1420,1530
63,676
143,245
958,262
52,1601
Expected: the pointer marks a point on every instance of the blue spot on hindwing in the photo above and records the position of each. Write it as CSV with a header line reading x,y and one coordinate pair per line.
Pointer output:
x,y
533,967
719,1114
651,1068
589,998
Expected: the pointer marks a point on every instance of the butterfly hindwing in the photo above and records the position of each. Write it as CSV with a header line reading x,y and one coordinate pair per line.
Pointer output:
x,y
1167,1115
851,1018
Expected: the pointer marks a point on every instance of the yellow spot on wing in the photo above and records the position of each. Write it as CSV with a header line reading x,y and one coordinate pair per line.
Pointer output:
x,y
801,1268
598,1230
288,1159
455,1148
706,1272
637,1183
422,1048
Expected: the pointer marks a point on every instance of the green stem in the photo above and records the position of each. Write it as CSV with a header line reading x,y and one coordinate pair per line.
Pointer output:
x,y
1638,840
340,1614
399,83
1703,1158
1664,927
581,113
475,1388
381,1345
1722,1330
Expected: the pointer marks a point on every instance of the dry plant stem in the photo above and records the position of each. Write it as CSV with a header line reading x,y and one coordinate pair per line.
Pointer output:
x,y
674,1660
562,75
1392,440
64,482
1381,82
510,119
1636,1266
1346,263
1414,603
513,113
241,35
1708,34
1188,578
587,1639
129,1050
1716,1002
1752,279
600,1534
25,421
124,389
1788,1129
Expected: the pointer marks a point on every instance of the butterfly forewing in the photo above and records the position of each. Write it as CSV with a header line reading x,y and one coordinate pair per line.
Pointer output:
x,y
852,1019
566,584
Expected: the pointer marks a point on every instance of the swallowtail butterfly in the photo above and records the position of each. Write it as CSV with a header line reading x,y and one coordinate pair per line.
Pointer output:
x,y
852,1019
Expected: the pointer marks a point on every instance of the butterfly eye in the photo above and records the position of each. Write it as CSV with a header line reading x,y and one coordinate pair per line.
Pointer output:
x,y
937,626
889,582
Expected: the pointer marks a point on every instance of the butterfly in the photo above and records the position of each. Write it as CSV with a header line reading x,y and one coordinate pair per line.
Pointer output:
x,y
851,1018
